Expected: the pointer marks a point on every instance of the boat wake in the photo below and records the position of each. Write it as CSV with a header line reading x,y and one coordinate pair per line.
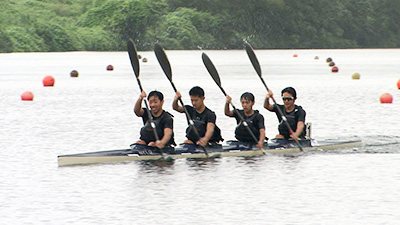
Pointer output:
x,y
376,144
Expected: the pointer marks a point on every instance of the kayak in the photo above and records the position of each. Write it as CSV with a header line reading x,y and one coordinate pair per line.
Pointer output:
x,y
231,149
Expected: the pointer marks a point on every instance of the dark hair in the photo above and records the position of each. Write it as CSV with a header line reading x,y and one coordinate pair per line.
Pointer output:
x,y
247,96
289,90
196,91
156,93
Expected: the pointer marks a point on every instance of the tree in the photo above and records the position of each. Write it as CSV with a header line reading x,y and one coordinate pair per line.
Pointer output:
x,y
130,18
5,42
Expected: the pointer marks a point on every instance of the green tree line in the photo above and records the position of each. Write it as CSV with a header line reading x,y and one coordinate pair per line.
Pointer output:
x,y
106,25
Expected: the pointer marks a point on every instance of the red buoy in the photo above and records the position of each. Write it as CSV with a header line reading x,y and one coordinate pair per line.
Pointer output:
x,y
110,68
335,69
27,96
48,81
294,55
398,84
386,98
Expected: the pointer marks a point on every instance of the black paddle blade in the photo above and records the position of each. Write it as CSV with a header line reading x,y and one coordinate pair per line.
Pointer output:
x,y
134,57
253,58
163,60
211,68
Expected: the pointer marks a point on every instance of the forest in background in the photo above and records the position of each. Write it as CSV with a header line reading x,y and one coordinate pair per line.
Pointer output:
x,y
106,25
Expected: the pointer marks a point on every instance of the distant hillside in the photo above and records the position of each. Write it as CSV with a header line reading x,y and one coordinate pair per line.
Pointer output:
x,y
105,25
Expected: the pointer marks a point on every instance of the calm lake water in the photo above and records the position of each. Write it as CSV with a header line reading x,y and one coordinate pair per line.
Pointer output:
x,y
94,112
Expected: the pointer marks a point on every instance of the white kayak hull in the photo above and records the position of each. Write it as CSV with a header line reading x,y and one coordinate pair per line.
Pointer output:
x,y
125,155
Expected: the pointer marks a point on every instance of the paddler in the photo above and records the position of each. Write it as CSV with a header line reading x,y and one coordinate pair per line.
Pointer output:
x,y
203,118
296,116
254,120
163,121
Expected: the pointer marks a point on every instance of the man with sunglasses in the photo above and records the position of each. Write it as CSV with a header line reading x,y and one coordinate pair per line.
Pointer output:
x,y
295,115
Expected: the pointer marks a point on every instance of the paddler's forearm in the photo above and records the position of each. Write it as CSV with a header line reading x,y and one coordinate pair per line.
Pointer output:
x,y
176,106
267,105
138,107
228,112
210,131
260,143
167,136
262,136
299,129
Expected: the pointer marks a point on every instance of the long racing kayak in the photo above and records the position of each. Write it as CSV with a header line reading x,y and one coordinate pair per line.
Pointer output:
x,y
233,148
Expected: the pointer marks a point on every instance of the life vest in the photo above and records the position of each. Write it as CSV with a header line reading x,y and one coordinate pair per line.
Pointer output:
x,y
292,120
147,133
201,128
242,133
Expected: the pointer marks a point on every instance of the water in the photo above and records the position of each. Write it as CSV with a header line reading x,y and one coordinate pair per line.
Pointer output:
x,y
94,112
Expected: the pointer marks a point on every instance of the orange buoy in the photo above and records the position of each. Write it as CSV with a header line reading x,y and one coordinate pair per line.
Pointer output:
x,y
329,60
335,69
48,81
331,64
386,98
398,84
27,96
74,73
110,68
295,55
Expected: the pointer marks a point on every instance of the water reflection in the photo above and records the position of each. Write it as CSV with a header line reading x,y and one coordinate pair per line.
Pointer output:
x,y
202,164
251,161
157,166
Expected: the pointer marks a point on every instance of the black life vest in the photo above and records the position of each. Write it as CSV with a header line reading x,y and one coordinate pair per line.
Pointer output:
x,y
292,119
147,133
201,128
242,133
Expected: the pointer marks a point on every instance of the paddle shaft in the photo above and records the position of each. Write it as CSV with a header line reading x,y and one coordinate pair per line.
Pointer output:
x,y
256,65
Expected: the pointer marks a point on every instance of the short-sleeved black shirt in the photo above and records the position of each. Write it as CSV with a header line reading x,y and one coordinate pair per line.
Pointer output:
x,y
256,118
206,116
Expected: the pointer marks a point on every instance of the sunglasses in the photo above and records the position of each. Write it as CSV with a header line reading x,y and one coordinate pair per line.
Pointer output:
x,y
287,98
